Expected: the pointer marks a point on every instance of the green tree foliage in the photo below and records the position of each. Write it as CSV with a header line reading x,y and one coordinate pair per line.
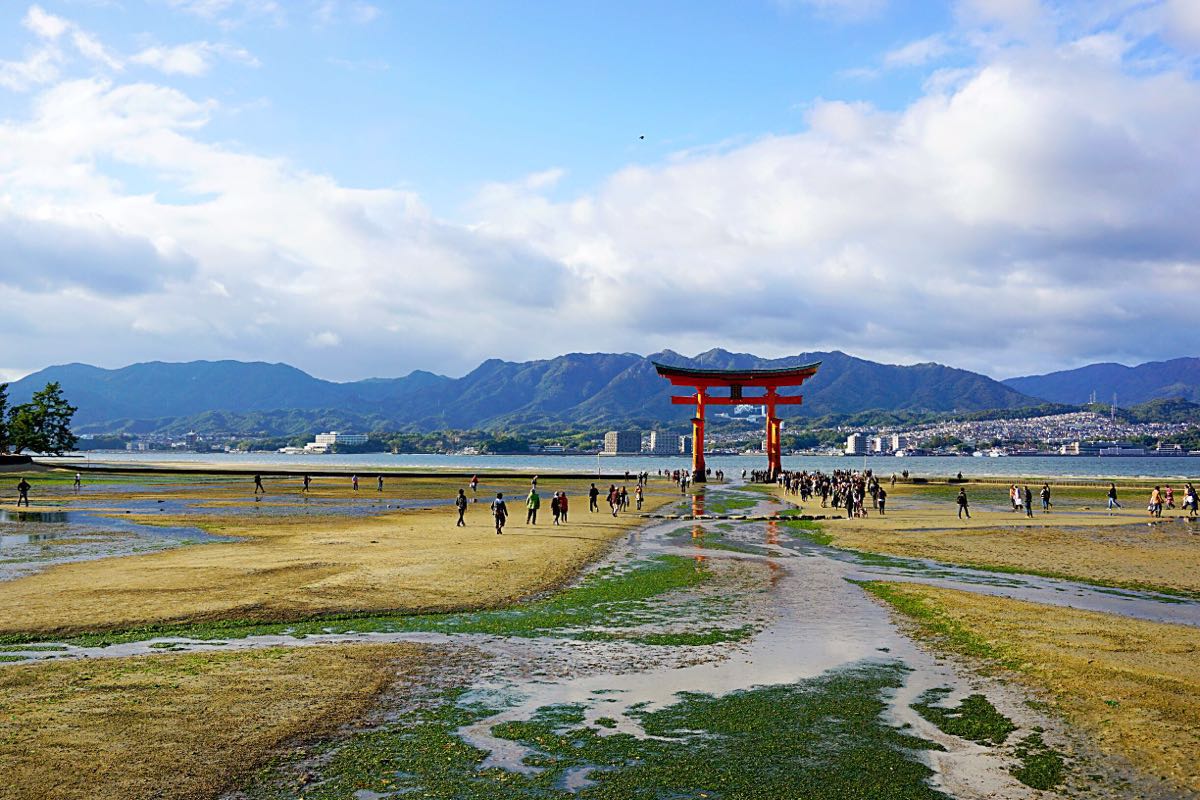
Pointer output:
x,y
43,425
3,417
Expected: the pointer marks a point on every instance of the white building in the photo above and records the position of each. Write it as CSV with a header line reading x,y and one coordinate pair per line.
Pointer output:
x,y
900,442
856,444
665,444
324,442
880,444
333,437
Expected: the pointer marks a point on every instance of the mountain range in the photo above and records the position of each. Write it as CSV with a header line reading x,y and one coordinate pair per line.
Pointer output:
x,y
1156,380
584,389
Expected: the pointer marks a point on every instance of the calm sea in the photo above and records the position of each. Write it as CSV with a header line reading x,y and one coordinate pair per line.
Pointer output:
x,y
926,467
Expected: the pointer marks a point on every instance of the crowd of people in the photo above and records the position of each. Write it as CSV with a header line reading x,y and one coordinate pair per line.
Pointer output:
x,y
1160,497
856,492
853,491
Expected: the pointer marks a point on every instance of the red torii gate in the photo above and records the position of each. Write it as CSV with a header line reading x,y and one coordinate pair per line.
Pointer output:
x,y
736,380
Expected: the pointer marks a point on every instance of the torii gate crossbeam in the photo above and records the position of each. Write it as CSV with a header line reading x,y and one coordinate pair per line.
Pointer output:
x,y
701,381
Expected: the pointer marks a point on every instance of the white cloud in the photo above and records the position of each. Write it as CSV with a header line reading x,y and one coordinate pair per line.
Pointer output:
x,y
45,63
233,13
92,48
44,24
1017,16
39,67
1012,219
192,59
324,339
917,53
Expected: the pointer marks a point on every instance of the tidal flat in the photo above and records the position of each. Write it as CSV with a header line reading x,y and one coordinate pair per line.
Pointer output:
x,y
626,657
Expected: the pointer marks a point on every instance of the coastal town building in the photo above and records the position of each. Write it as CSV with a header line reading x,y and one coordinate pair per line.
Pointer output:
x,y
856,444
663,443
622,442
325,442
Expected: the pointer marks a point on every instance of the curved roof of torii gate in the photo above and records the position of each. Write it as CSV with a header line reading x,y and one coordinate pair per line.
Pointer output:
x,y
788,376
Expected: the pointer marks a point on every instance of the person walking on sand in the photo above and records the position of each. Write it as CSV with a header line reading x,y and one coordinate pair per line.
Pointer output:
x,y
563,506
532,503
1191,501
380,483
962,503
1169,497
556,508
460,503
307,483
258,487
78,482
637,493
1028,502
475,485
500,512
23,493
593,495
614,498
1112,498
1155,507
881,501
1045,493
354,482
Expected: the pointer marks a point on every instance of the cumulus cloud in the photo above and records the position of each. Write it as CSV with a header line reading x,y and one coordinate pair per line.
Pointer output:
x,y
1035,210
1006,216
42,256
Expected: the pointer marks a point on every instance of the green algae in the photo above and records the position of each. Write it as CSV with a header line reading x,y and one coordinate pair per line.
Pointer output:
x,y
608,597
807,530
943,629
975,718
1040,767
822,738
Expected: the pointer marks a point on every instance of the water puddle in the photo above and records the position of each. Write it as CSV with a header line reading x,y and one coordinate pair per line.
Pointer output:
x,y
31,541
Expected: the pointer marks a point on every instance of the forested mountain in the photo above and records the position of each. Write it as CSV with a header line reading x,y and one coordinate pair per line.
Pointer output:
x,y
577,388
1156,380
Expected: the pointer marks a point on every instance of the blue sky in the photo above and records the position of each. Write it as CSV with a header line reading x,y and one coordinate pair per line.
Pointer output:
x,y
443,97
364,188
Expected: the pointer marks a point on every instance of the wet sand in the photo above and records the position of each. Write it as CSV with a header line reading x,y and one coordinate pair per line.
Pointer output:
x,y
1131,685
291,563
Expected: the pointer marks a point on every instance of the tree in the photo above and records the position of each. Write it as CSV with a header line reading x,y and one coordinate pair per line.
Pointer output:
x,y
3,418
43,425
